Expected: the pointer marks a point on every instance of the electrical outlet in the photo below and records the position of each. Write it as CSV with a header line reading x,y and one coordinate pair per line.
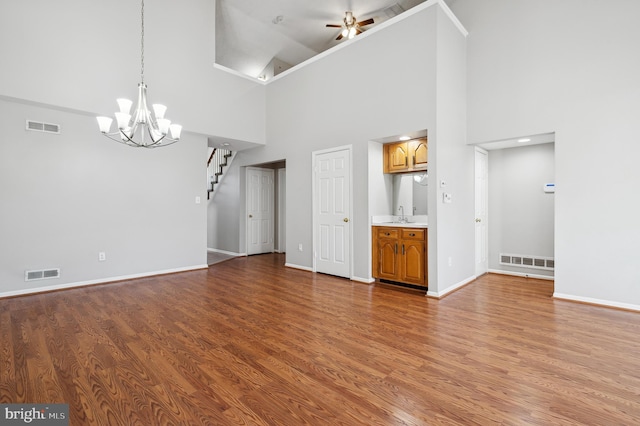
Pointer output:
x,y
197,200
300,247
102,256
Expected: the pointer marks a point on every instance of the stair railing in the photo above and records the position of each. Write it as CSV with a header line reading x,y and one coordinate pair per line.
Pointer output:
x,y
215,167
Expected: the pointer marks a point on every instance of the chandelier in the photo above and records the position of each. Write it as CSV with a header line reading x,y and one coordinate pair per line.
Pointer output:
x,y
159,130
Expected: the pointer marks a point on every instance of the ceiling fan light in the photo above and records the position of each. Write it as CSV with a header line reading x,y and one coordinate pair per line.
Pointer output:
x,y
348,17
352,32
345,32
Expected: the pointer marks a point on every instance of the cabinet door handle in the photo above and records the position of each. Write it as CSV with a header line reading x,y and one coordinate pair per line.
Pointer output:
x,y
412,234
403,249
396,249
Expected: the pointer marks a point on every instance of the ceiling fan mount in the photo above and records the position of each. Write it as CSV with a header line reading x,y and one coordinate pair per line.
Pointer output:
x,y
350,26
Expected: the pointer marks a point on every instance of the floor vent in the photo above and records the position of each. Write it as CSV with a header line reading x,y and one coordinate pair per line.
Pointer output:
x,y
42,274
43,127
524,261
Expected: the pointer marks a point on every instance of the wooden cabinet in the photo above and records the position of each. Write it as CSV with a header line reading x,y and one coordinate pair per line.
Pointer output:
x,y
404,157
400,254
418,152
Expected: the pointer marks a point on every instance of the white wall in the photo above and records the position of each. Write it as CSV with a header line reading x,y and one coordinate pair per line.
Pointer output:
x,y
83,55
307,112
380,184
571,67
395,86
521,214
450,160
66,197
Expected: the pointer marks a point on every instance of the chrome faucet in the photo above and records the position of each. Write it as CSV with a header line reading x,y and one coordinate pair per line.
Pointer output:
x,y
403,219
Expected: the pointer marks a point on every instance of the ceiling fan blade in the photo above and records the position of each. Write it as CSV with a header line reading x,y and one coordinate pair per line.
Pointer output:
x,y
334,26
340,37
359,30
366,22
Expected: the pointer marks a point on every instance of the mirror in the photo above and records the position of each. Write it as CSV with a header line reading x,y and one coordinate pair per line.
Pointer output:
x,y
410,192
420,193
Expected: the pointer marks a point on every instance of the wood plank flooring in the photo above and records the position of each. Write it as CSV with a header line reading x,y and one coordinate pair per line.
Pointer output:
x,y
250,342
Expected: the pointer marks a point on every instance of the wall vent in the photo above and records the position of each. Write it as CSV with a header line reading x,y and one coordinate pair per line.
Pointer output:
x,y
38,126
41,274
524,261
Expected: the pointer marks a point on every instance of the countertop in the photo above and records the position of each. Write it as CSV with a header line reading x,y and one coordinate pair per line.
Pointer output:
x,y
417,221
402,225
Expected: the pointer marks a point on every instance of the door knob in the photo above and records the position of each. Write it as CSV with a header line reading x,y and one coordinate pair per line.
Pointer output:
x,y
346,219
478,220
250,216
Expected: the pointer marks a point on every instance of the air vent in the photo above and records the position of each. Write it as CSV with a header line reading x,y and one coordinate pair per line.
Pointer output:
x,y
38,126
524,261
41,274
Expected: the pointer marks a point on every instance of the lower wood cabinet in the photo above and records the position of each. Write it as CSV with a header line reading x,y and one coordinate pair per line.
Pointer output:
x,y
400,254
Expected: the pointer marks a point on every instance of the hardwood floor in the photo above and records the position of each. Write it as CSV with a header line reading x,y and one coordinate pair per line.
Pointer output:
x,y
250,342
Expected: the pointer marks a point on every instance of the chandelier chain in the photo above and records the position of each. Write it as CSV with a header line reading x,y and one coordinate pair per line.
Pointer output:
x,y
142,43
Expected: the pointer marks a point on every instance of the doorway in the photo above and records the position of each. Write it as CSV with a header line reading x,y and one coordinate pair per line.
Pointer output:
x,y
260,210
264,208
520,203
481,203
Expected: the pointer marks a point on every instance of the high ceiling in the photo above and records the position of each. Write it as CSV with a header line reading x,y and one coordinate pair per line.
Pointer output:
x,y
252,35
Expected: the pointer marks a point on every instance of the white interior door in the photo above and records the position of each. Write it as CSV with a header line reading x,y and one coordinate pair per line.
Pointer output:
x,y
481,201
332,212
260,215
282,207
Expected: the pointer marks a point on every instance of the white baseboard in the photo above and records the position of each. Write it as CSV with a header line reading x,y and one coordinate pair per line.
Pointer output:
x,y
600,302
521,274
363,280
304,268
34,290
230,253
441,294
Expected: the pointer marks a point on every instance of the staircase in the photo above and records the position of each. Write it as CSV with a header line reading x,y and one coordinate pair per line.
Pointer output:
x,y
218,160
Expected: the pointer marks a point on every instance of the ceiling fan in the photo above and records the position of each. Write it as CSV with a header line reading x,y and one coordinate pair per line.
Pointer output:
x,y
350,27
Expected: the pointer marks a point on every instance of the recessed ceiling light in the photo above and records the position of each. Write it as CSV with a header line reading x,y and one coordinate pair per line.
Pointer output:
x,y
524,140
404,138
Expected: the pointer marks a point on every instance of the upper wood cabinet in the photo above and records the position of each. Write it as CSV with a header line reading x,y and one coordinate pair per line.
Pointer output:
x,y
403,157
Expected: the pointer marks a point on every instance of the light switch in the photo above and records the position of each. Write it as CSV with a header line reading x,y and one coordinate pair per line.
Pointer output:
x,y
197,200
